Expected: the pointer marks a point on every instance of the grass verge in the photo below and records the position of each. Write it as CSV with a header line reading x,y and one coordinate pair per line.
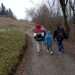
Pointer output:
x,y
11,43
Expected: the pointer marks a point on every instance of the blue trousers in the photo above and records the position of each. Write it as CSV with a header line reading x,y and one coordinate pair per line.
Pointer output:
x,y
60,46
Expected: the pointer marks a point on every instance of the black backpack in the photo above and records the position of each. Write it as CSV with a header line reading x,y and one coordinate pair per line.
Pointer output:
x,y
66,35
59,34
39,37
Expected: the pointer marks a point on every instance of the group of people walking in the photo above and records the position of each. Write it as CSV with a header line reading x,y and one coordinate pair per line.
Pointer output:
x,y
46,38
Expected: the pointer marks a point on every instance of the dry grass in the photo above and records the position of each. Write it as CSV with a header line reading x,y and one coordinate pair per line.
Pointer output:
x,y
11,42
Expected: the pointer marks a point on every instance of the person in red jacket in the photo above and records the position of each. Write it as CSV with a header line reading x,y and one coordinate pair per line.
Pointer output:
x,y
39,27
39,32
39,35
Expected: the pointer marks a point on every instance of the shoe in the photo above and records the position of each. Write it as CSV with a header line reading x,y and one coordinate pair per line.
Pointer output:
x,y
51,52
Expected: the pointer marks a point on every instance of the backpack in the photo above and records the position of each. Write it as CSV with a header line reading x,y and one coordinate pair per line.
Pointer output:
x,y
39,36
60,34
66,35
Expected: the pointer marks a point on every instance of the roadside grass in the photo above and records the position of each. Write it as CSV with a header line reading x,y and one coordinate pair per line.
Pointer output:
x,y
11,42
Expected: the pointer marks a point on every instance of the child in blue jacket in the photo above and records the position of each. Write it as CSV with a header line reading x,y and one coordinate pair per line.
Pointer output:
x,y
48,41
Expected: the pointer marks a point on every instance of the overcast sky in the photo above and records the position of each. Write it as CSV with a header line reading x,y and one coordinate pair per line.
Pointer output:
x,y
19,6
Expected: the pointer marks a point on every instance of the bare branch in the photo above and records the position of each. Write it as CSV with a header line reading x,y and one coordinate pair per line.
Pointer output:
x,y
49,3
52,3
66,2
71,5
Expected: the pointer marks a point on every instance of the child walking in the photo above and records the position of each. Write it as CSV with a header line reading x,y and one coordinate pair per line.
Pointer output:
x,y
48,42
39,35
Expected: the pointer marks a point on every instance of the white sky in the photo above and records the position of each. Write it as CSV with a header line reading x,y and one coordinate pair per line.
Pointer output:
x,y
19,6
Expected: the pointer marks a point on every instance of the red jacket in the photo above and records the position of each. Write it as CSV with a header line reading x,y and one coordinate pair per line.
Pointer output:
x,y
39,28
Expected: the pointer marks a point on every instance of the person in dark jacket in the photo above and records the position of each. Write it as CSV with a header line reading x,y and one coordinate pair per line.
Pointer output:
x,y
59,36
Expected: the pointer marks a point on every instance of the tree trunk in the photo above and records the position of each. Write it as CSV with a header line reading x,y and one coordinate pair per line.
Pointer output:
x,y
67,28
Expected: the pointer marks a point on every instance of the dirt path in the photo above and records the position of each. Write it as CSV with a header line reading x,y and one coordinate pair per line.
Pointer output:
x,y
45,64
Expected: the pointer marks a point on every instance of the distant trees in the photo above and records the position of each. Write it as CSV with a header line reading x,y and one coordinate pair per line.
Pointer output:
x,y
72,6
10,13
55,8
42,14
5,12
2,12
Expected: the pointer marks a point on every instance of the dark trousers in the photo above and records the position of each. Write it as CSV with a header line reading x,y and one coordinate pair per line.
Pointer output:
x,y
60,45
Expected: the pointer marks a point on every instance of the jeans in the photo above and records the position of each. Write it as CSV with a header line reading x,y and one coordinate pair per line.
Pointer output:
x,y
60,46
39,46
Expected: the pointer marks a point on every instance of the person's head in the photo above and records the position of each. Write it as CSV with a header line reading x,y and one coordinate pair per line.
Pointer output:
x,y
59,26
37,21
37,25
48,32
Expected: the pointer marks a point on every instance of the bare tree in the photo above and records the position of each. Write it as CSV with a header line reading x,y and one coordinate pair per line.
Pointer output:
x,y
72,5
58,13
51,11
63,4
31,13
43,14
3,9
